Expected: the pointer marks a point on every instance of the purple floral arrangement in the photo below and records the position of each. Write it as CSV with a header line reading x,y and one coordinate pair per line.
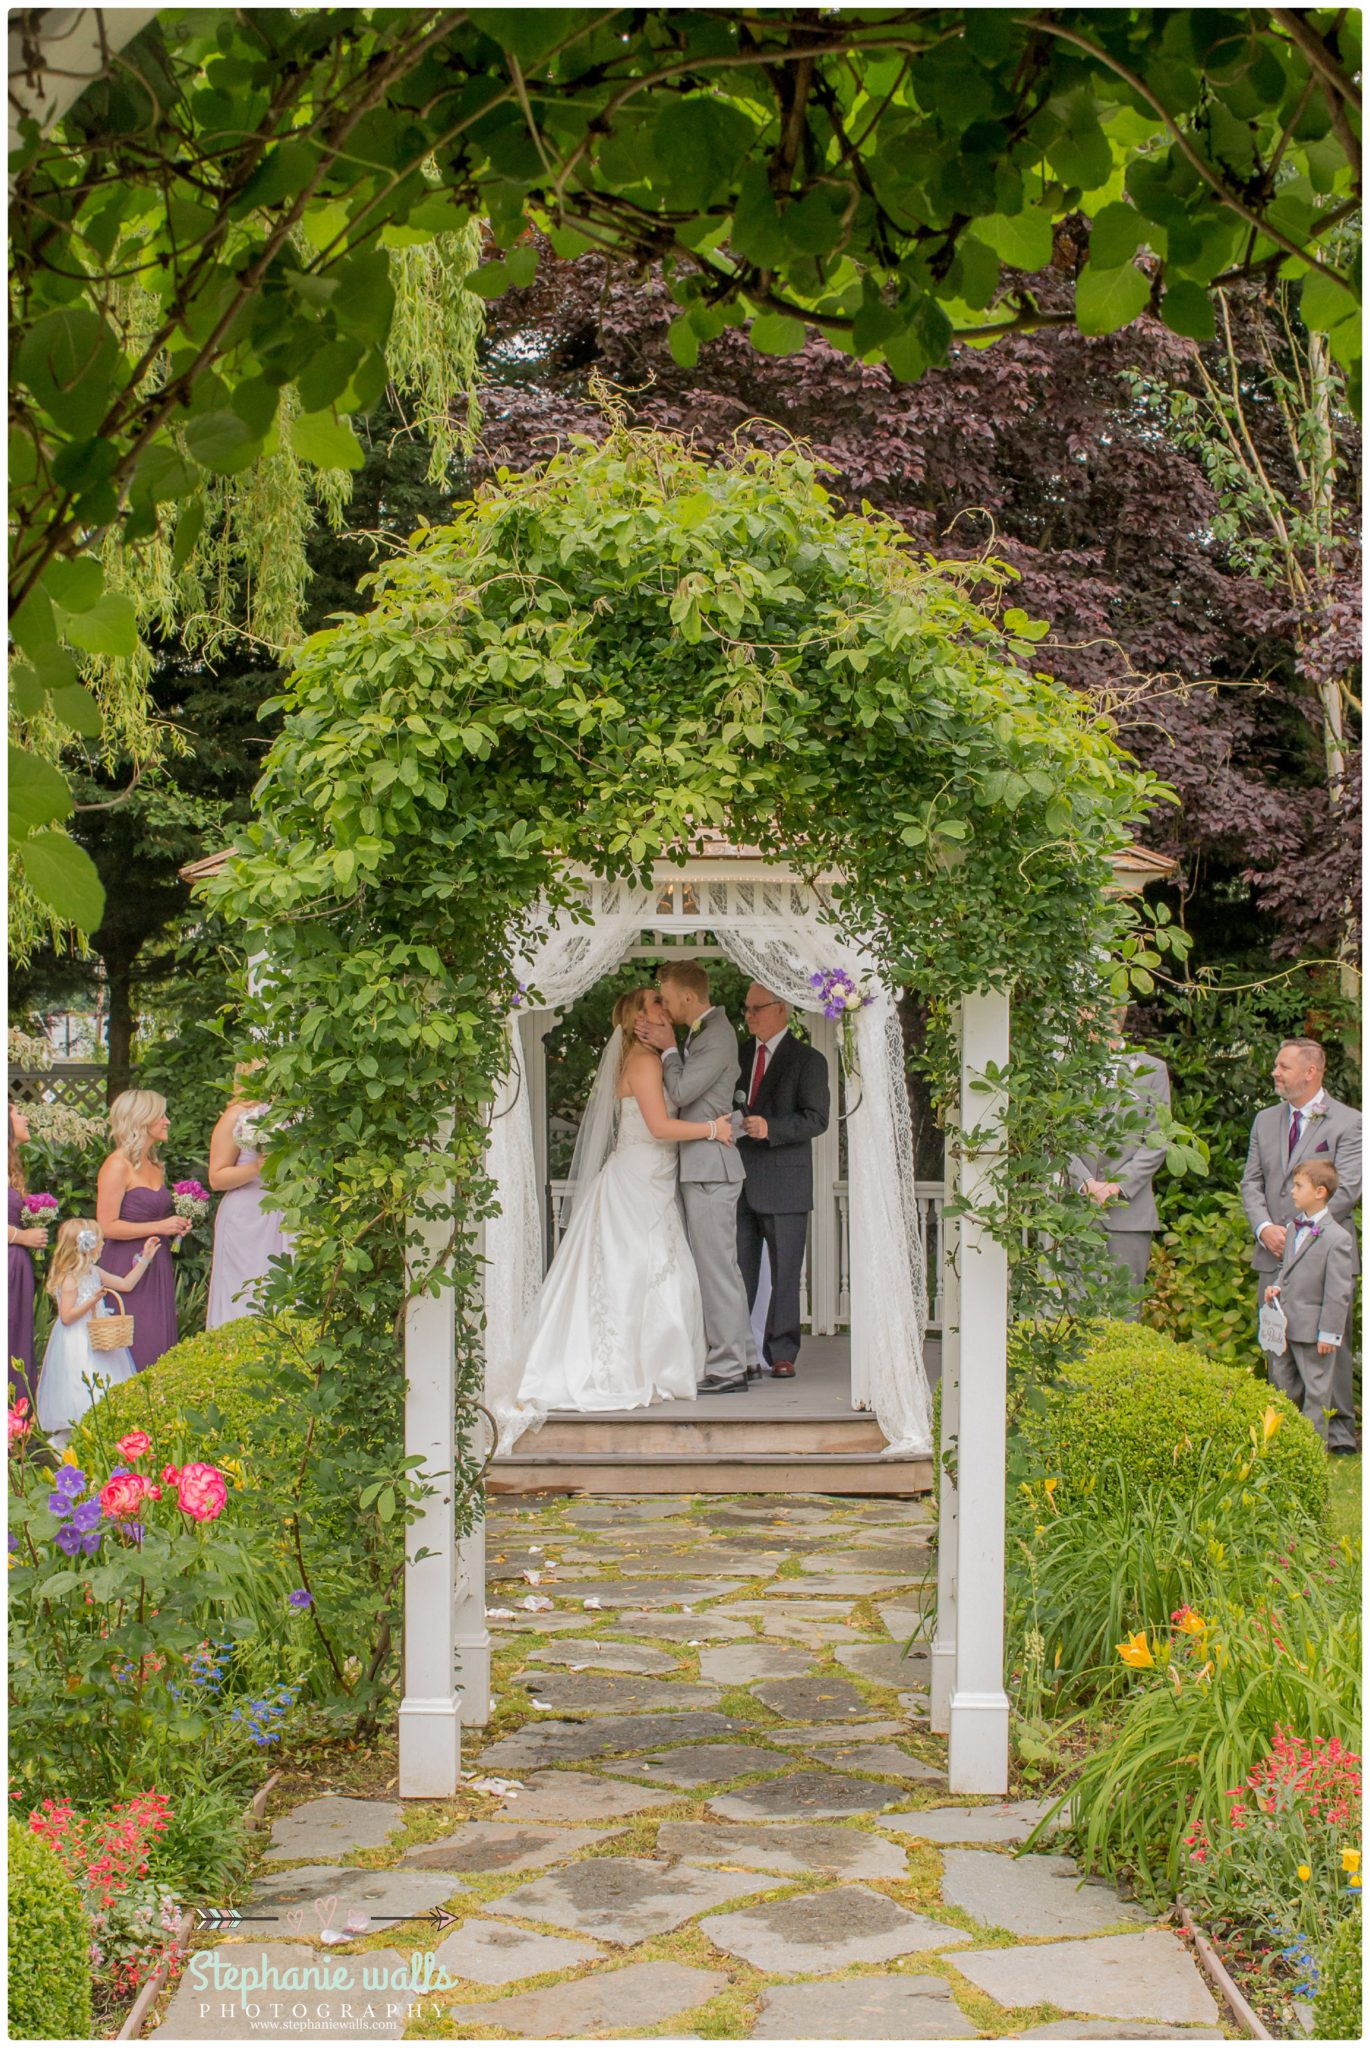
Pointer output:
x,y
838,993
38,1209
188,1198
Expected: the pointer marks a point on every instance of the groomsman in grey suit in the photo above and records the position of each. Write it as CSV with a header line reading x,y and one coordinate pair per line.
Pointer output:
x,y
1306,1123
700,1082
1122,1182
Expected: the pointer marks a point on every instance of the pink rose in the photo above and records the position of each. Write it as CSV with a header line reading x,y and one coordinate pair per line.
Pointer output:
x,y
171,1473
18,1422
136,1444
122,1497
202,1492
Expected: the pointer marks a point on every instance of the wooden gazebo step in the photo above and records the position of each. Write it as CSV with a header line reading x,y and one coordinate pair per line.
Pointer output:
x,y
731,1472
706,1432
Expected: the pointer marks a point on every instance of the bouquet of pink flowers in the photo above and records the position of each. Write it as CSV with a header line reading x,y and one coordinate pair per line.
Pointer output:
x,y
38,1211
188,1198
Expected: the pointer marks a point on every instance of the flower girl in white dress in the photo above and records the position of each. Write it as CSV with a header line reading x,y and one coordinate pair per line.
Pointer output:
x,y
77,1285
619,1323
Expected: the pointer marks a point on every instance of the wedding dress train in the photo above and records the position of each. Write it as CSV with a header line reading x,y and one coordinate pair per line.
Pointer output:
x,y
619,1322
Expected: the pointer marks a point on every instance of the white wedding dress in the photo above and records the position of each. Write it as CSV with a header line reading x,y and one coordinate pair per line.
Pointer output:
x,y
619,1323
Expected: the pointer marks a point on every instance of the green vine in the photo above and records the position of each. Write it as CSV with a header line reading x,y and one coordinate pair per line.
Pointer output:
x,y
588,666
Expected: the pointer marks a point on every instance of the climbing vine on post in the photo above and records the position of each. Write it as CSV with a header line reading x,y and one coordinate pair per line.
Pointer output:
x,y
588,666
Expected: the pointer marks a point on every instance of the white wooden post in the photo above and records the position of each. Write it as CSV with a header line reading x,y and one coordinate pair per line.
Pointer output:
x,y
944,1644
979,1713
430,1713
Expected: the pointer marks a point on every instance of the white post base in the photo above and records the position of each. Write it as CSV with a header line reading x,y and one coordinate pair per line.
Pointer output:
x,y
430,1748
472,1636
941,1687
978,1752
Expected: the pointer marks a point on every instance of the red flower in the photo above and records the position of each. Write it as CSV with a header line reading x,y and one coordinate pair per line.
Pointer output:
x,y
121,1498
202,1492
136,1444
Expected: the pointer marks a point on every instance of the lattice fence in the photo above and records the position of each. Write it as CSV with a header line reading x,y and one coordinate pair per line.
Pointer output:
x,y
88,1089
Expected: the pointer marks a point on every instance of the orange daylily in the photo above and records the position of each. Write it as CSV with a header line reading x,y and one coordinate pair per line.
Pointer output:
x,y
1136,1651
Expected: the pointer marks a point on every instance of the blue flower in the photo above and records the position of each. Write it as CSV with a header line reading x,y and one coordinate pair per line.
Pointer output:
x,y
69,1479
301,1598
90,1542
68,1539
58,1505
85,1516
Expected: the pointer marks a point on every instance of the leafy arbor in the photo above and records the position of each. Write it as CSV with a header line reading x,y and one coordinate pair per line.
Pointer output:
x,y
589,665
203,261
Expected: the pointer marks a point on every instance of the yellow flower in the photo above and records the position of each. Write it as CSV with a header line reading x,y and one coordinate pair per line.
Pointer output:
x,y
1136,1651
1350,1861
1050,1485
69,1456
1191,1623
1271,1423
233,1466
1304,1872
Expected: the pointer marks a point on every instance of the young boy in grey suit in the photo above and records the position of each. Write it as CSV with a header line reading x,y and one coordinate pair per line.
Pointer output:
x,y
1316,1280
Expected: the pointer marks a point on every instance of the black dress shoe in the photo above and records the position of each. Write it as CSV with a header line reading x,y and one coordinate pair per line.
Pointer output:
x,y
753,1372
710,1386
1344,1450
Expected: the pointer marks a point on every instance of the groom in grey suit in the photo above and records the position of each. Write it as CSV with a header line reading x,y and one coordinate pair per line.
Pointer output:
x,y
1306,1123
700,1082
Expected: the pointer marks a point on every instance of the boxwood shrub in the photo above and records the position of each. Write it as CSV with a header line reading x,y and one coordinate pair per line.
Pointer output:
x,y
1337,2011
49,1946
1151,1406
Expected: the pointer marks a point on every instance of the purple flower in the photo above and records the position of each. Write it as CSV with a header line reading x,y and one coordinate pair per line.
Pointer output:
x,y
14,1541
90,1542
69,1479
58,1505
69,1539
301,1598
85,1516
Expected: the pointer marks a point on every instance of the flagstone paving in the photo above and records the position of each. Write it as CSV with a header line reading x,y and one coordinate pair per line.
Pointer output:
x,y
707,1758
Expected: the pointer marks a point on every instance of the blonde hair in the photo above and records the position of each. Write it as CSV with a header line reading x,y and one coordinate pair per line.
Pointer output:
x,y
627,1010
68,1260
17,1179
130,1116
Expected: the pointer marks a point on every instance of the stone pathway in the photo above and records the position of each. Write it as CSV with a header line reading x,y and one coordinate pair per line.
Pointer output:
x,y
708,1807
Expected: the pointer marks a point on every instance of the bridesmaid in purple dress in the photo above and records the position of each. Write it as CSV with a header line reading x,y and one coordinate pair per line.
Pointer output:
x,y
132,1202
22,1243
247,1232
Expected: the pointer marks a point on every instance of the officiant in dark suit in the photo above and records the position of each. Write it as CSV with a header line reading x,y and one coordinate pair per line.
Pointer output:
x,y
783,1096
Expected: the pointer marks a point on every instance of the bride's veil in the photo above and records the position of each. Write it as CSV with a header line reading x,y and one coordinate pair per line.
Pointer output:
x,y
598,1128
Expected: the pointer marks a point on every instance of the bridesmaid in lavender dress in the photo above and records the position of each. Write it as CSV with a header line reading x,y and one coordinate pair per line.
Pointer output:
x,y
132,1202
22,1243
247,1234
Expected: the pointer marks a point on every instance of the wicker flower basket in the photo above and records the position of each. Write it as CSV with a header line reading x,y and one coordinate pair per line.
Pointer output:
x,y
111,1333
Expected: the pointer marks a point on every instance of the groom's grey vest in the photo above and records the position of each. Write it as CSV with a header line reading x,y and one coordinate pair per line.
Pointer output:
x,y
701,1084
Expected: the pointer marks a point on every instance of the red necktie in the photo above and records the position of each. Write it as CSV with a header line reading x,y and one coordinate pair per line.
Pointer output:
x,y
758,1069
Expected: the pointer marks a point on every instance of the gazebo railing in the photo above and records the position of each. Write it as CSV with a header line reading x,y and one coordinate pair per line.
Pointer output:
x,y
929,1196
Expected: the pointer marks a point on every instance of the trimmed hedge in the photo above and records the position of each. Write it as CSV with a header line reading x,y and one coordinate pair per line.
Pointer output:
x,y
215,1378
49,1946
1337,2008
1155,1406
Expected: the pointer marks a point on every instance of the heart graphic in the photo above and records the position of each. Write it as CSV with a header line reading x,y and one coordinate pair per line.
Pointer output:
x,y
324,1909
294,1919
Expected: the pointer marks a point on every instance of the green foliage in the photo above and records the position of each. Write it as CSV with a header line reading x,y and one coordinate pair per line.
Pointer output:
x,y
1203,1287
108,1689
587,667
47,1939
1204,1712
184,313
1087,1570
251,1397
1139,1408
1338,2011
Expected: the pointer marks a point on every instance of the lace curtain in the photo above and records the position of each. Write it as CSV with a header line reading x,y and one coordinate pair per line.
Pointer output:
x,y
889,1304
568,959
888,1284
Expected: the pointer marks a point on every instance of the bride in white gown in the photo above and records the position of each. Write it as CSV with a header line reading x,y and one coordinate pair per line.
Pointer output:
x,y
619,1322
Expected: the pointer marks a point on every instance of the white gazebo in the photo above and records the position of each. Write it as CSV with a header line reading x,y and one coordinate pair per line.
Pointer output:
x,y
780,929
